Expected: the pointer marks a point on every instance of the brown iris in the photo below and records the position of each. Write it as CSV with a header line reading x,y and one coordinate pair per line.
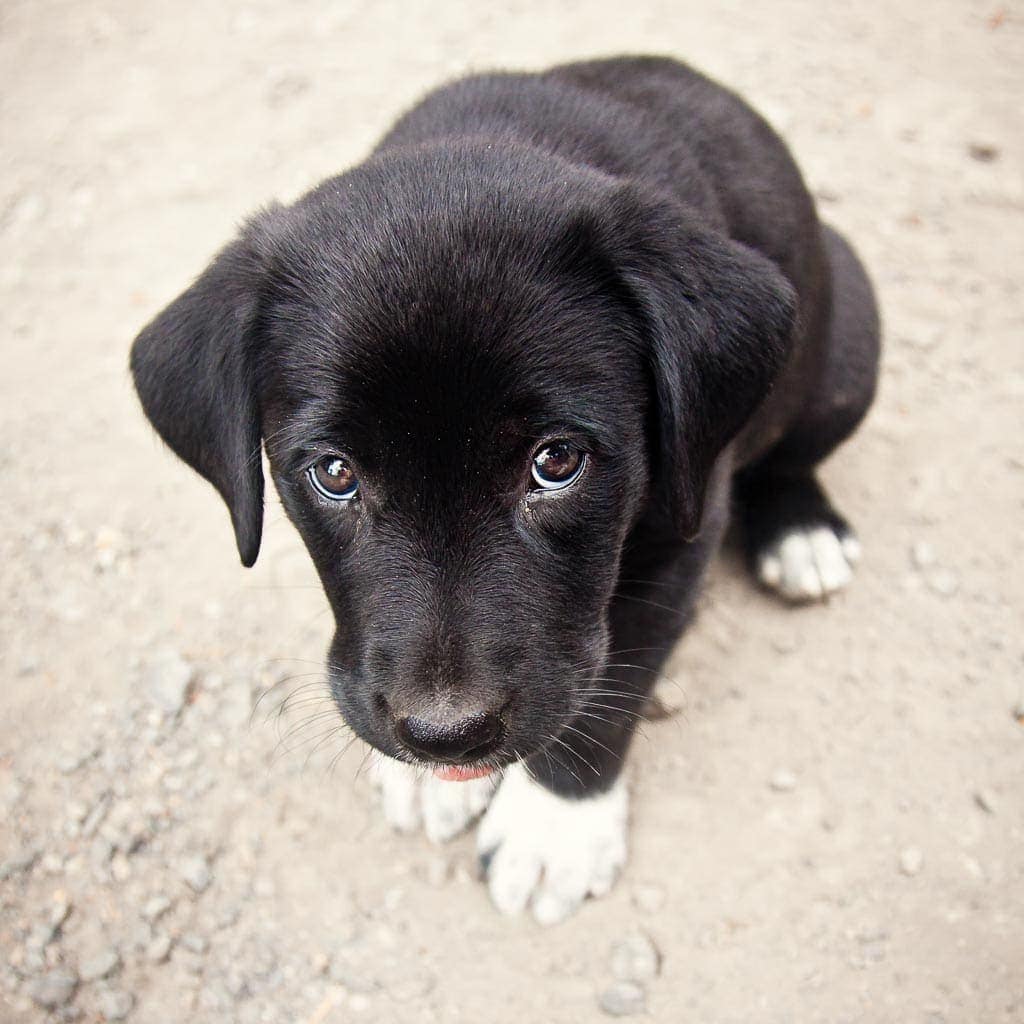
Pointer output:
x,y
556,465
334,477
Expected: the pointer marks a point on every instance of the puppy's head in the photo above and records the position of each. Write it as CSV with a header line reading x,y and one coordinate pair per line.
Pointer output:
x,y
472,372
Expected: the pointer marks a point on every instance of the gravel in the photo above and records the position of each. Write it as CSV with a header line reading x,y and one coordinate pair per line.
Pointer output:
x,y
623,999
115,1004
159,949
195,870
20,862
100,965
155,907
635,958
168,681
986,800
782,781
195,943
54,989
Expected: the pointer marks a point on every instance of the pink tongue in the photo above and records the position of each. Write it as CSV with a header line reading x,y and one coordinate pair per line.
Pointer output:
x,y
457,773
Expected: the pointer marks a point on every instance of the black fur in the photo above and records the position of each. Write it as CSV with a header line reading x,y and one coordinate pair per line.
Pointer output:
x,y
618,252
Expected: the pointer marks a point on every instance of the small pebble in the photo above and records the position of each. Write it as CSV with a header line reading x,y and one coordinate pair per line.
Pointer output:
x,y
667,699
21,861
196,873
168,681
159,949
53,989
911,861
120,868
40,937
623,999
95,817
156,908
922,555
77,811
60,910
983,152
102,965
635,958
358,1003
944,582
189,961
986,800
783,781
52,863
115,1004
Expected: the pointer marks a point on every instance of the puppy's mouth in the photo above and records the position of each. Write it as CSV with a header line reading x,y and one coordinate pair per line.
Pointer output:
x,y
463,772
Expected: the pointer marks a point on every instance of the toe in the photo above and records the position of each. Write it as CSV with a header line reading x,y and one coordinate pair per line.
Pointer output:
x,y
513,875
550,907
851,548
800,581
832,567
399,794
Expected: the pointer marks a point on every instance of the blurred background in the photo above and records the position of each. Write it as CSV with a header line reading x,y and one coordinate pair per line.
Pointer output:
x,y
829,824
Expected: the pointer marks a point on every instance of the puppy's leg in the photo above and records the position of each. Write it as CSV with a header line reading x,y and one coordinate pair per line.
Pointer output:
x,y
796,542
556,831
550,851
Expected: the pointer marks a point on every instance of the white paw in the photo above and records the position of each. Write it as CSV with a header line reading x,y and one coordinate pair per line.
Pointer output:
x,y
548,851
412,796
806,564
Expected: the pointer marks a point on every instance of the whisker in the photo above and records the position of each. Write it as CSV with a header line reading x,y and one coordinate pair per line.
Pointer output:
x,y
370,752
561,764
321,716
593,740
578,756
283,749
327,737
624,694
635,715
653,583
332,764
652,604
298,689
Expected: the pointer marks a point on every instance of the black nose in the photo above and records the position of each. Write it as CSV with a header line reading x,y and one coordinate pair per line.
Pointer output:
x,y
468,738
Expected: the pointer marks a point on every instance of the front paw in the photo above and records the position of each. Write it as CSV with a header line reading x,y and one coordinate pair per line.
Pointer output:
x,y
548,851
411,797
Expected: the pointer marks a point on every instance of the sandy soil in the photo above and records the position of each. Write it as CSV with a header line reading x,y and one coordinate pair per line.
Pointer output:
x,y
831,829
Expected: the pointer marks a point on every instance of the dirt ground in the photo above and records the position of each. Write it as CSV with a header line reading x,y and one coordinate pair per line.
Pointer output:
x,y
831,828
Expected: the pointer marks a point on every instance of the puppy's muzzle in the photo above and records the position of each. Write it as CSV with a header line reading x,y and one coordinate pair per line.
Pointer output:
x,y
466,739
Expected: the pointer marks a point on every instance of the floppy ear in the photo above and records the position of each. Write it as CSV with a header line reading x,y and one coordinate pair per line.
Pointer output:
x,y
718,319
194,370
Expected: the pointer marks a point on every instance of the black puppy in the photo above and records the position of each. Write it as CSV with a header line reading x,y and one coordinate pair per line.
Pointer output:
x,y
509,373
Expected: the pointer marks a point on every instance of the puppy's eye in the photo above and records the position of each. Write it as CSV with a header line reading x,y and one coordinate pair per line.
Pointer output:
x,y
334,478
557,464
